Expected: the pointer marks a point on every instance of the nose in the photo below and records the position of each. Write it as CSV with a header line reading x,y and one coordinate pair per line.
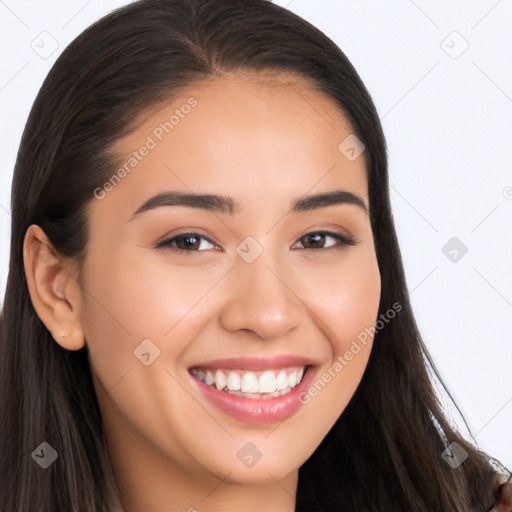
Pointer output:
x,y
261,300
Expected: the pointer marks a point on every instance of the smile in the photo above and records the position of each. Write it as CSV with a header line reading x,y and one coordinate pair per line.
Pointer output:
x,y
254,390
252,384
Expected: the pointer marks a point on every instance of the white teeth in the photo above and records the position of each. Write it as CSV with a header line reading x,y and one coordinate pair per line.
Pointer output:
x,y
249,383
267,383
209,379
246,383
220,380
281,381
233,381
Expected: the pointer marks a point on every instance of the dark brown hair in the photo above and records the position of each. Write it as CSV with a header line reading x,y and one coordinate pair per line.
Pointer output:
x,y
384,452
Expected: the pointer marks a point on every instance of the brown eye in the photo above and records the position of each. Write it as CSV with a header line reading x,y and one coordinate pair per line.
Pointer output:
x,y
316,240
313,241
186,242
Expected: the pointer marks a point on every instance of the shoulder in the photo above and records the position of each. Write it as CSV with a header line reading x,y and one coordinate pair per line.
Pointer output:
x,y
504,498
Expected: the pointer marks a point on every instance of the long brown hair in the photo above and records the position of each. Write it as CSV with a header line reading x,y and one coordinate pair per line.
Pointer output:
x,y
384,452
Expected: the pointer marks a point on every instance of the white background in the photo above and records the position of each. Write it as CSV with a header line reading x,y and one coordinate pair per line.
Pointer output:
x,y
447,118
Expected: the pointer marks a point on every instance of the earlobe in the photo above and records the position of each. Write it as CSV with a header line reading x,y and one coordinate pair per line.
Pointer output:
x,y
53,289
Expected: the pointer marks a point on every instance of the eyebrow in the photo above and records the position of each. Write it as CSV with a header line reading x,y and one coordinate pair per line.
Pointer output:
x,y
229,206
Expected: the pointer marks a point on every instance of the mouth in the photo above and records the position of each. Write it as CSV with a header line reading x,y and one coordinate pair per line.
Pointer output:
x,y
252,384
254,390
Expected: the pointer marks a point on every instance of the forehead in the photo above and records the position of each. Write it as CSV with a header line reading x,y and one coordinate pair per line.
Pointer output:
x,y
244,133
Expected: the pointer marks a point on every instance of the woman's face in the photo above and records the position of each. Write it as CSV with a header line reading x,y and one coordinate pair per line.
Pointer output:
x,y
258,286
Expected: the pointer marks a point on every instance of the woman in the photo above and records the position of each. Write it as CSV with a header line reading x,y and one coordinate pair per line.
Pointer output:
x,y
206,306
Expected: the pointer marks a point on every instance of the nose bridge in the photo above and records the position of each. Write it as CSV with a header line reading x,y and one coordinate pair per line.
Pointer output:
x,y
261,299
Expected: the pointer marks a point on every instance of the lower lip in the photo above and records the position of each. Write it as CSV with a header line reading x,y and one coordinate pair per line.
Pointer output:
x,y
256,410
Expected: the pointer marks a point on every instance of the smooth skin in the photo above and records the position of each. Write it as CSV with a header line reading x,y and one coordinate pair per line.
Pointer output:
x,y
265,140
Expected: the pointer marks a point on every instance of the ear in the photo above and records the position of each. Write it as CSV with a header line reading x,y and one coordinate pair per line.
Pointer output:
x,y
54,289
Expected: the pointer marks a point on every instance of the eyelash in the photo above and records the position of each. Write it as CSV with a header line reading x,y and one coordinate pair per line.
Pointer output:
x,y
343,239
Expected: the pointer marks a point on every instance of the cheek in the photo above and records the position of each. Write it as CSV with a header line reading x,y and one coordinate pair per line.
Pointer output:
x,y
354,308
136,298
132,302
131,299
346,306
346,300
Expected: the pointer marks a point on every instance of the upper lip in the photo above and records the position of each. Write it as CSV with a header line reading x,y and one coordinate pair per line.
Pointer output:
x,y
257,362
